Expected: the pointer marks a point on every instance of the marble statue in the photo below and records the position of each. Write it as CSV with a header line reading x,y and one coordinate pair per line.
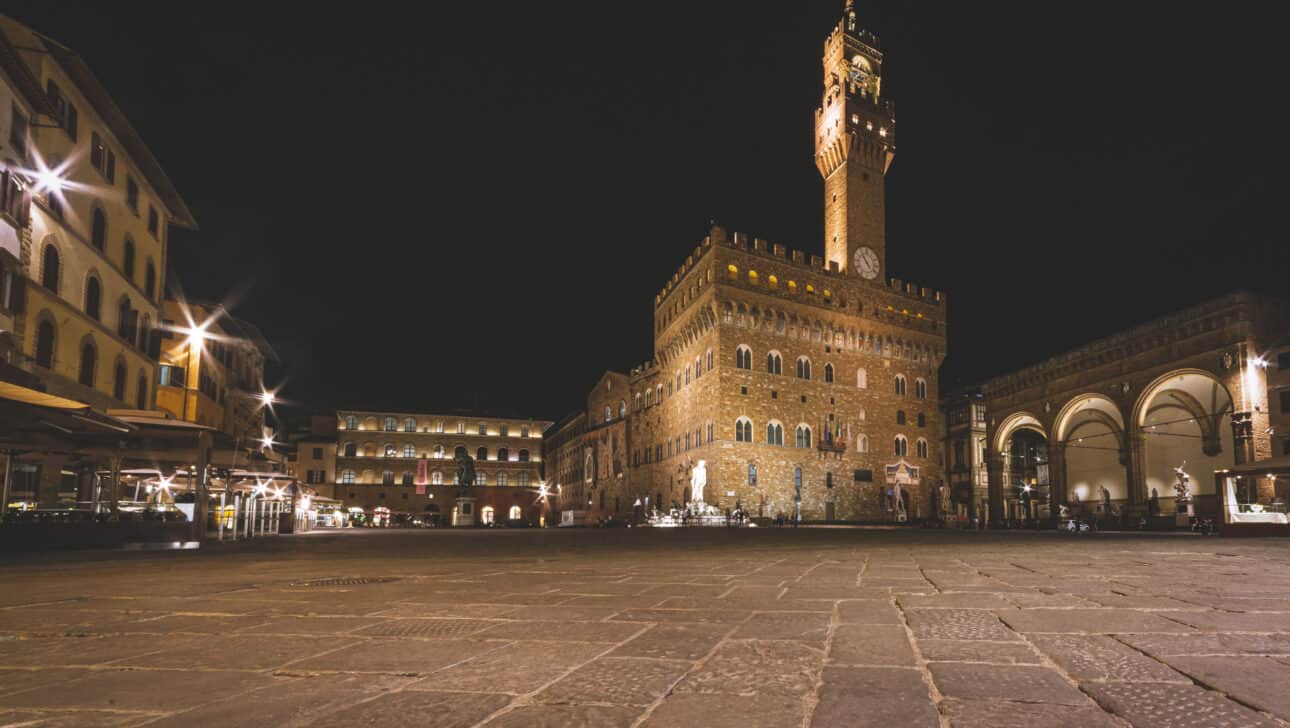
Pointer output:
x,y
698,481
1183,487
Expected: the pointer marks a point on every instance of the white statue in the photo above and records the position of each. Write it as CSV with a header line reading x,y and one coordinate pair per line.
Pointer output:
x,y
1183,487
698,480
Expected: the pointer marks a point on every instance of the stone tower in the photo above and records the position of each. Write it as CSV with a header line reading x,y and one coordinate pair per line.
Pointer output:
x,y
855,133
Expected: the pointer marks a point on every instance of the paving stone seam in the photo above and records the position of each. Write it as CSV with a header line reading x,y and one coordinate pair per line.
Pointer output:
x,y
697,665
1202,684
811,700
920,662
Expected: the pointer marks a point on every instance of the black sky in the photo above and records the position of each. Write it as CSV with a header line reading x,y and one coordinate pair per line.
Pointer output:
x,y
475,205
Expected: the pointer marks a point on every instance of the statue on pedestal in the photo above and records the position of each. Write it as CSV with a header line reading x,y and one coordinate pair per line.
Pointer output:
x,y
1106,500
1182,490
698,481
465,473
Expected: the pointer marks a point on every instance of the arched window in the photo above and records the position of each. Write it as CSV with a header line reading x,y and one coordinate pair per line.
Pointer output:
x,y
803,435
862,443
503,455
126,324
351,422
752,473
743,430
438,452
901,385
920,388
743,357
900,417
436,478
459,451
774,433
127,261
481,454
862,378
89,361
481,479
347,477
797,478
902,445
93,297
524,456
141,396
150,280
486,515
98,229
504,430
351,449
407,478
774,363
515,513
391,451
49,268
803,368
391,424
828,373
922,420
501,478
920,448
118,381
711,427
687,375
622,408
410,424
409,450
145,333
709,360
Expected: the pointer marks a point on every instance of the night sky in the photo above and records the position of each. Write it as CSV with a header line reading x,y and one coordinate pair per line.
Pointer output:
x,y
475,208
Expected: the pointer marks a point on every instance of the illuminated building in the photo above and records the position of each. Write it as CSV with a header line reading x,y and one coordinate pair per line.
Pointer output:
x,y
406,462
808,384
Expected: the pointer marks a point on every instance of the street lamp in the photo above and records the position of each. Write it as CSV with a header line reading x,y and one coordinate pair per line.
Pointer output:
x,y
196,336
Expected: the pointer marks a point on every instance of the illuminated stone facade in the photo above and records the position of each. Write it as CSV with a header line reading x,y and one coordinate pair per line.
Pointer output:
x,y
798,380
1193,389
379,455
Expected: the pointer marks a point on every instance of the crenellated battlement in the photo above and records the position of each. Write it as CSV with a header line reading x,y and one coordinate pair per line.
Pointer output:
x,y
806,263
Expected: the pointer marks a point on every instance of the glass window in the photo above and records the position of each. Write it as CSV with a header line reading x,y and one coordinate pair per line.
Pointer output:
x,y
410,425
481,454
504,430
391,424
50,264
347,477
409,451
803,436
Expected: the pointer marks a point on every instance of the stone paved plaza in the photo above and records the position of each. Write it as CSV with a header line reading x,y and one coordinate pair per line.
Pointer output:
x,y
754,627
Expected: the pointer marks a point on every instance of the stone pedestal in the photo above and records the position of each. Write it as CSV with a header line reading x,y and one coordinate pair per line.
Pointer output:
x,y
466,514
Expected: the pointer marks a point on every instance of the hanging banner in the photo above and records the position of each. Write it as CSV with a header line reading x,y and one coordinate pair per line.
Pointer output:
x,y
422,465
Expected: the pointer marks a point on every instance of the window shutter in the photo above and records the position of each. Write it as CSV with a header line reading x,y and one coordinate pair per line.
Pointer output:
x,y
154,344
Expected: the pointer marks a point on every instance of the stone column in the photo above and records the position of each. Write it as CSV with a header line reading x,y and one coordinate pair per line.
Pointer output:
x,y
1243,437
51,479
994,467
1133,456
1056,480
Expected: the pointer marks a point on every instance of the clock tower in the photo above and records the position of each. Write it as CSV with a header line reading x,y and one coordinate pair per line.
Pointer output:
x,y
855,140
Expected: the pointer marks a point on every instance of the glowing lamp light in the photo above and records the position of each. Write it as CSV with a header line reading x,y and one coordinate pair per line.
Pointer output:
x,y
267,397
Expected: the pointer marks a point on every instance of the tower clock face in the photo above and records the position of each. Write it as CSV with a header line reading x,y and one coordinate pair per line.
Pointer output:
x,y
866,262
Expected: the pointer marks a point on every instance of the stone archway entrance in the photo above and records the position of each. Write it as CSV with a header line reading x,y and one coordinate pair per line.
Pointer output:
x,y
1183,420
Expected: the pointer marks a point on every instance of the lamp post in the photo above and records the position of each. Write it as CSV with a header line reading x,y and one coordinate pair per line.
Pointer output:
x,y
197,335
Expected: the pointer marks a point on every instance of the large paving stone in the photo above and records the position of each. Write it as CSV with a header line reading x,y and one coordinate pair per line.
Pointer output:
x,y
957,624
17,680
1023,683
868,611
1008,714
1234,622
618,680
516,668
615,631
728,710
404,657
1257,681
416,707
811,626
957,600
750,667
69,718
719,616
1098,657
1002,653
286,701
871,644
429,627
312,626
1209,643
1175,706
567,716
872,696
145,690
1088,621
49,651
674,641
235,652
